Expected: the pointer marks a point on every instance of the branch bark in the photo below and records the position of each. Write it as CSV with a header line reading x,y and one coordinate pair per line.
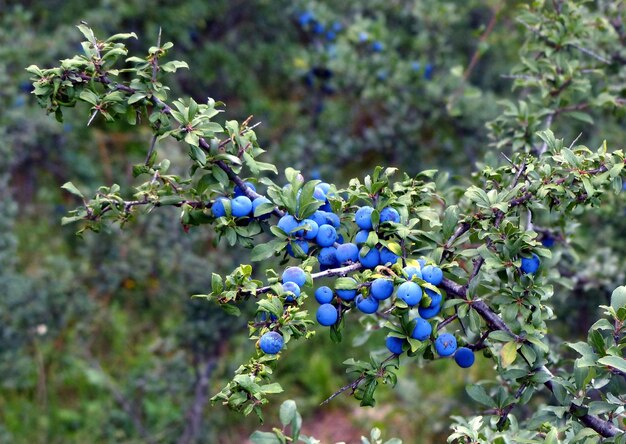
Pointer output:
x,y
193,417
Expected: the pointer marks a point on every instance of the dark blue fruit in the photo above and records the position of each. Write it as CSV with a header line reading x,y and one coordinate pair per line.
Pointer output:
x,y
366,305
326,236
445,344
389,214
348,252
429,312
381,288
530,265
464,357
363,218
324,295
294,274
271,343
326,315
394,345
347,295
432,274
371,259
327,256
422,329
410,292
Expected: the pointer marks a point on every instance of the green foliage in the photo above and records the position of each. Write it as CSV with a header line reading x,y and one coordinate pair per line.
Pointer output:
x,y
476,230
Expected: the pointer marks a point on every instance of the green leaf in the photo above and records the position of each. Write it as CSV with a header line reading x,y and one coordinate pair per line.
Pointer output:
x,y
123,36
499,335
231,309
618,298
570,157
88,33
136,97
217,285
478,394
287,412
368,393
508,353
272,388
552,437
345,283
583,117
450,220
263,251
259,437
69,186
616,362
89,97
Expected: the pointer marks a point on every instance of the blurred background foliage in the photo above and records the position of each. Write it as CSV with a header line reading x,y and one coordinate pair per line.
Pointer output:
x,y
99,339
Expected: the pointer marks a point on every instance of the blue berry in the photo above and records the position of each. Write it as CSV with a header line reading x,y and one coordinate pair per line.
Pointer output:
x,y
310,229
422,329
394,345
239,191
412,271
366,305
326,236
381,288
530,265
410,292
241,206
361,237
319,217
326,315
389,214
324,295
271,343
347,253
445,344
287,223
432,274
294,274
363,218
332,219
327,256
464,357
217,209
346,295
387,256
371,259
429,312
293,288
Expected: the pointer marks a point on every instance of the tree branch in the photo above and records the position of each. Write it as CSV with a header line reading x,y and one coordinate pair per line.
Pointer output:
x,y
193,417
341,271
166,109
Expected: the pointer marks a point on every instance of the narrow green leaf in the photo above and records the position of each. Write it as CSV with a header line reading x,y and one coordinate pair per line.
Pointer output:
x,y
478,394
69,186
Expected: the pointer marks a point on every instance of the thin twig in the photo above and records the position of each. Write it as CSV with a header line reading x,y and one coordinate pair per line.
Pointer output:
x,y
340,271
151,150
590,53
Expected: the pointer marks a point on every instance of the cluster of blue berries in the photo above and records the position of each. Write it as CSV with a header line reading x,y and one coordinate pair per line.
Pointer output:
x,y
309,22
240,205
293,279
319,231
